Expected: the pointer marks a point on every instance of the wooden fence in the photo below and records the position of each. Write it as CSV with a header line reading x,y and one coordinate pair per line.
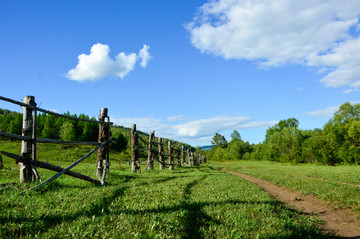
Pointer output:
x,y
27,160
176,157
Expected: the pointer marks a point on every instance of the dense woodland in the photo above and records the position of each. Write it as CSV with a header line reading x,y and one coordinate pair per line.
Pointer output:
x,y
338,142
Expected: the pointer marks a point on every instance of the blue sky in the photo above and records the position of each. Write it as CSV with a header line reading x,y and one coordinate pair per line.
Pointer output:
x,y
186,69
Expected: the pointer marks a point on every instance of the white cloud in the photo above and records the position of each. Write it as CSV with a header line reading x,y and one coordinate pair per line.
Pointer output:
x,y
98,64
348,91
206,127
200,130
311,32
145,56
176,118
145,124
327,113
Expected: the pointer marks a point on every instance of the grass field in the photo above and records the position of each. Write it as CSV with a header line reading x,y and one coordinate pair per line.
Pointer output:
x,y
198,202
339,185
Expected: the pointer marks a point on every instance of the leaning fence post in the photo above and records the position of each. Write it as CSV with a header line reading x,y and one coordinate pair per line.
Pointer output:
x,y
134,149
171,163
103,136
26,172
150,151
161,154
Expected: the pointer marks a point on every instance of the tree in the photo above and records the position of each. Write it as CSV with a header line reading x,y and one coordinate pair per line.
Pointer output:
x,y
291,122
346,112
235,134
67,132
219,141
15,126
119,142
51,130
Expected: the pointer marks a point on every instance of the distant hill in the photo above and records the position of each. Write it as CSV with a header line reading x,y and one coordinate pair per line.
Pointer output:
x,y
206,147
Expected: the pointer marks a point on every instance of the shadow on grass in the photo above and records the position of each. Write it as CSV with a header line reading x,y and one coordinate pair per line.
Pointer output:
x,y
44,223
193,221
195,218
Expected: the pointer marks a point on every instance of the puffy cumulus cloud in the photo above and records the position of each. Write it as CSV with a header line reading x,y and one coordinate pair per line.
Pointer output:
x,y
145,56
98,64
277,32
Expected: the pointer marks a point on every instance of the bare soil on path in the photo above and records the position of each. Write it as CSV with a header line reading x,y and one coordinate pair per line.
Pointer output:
x,y
339,222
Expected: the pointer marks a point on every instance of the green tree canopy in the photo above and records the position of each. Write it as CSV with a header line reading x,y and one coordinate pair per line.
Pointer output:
x,y
219,141
235,135
67,132
291,122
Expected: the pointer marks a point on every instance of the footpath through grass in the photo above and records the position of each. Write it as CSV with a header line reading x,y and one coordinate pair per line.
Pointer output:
x,y
339,185
199,202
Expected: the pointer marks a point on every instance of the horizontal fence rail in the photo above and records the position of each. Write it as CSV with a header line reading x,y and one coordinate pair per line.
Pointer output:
x,y
176,157
28,162
48,141
48,111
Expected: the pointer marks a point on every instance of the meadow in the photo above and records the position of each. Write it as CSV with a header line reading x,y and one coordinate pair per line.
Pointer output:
x,y
188,202
197,202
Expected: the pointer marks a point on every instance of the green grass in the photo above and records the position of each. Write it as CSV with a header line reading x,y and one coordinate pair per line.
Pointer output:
x,y
338,185
198,202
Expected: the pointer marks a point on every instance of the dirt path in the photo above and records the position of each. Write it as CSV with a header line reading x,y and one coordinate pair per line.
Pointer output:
x,y
341,222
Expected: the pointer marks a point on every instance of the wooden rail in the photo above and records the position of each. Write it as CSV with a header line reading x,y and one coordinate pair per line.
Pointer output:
x,y
27,160
160,153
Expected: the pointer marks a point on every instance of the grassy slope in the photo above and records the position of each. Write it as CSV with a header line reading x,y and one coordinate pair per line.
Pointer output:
x,y
338,185
185,203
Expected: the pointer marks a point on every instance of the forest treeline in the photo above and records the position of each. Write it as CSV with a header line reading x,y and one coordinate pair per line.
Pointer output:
x,y
52,127
338,142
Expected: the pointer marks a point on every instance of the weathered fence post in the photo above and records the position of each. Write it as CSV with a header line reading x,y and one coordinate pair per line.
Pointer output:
x,y
134,150
104,132
188,156
26,172
191,159
150,151
171,161
182,162
161,154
